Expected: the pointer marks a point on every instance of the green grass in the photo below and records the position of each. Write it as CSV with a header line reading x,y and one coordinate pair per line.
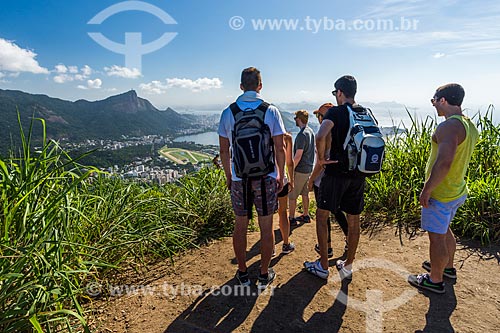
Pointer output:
x,y
64,226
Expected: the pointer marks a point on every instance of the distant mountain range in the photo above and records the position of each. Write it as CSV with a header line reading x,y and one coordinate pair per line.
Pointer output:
x,y
124,114
112,118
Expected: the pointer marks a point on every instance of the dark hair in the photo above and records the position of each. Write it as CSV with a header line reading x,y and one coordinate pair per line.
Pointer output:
x,y
347,84
453,93
250,79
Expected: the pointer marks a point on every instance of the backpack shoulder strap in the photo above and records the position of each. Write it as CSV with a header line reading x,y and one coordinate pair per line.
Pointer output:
x,y
261,110
235,109
372,115
263,107
351,124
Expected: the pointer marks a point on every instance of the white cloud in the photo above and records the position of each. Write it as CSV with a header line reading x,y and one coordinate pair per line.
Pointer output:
x,y
94,84
63,78
71,73
91,84
438,55
15,59
2,75
86,71
202,84
61,69
197,85
124,72
154,87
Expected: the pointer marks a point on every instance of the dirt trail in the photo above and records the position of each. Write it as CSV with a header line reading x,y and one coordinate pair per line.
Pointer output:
x,y
379,298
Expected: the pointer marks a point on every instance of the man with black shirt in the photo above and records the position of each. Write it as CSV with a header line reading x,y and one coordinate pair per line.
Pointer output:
x,y
339,189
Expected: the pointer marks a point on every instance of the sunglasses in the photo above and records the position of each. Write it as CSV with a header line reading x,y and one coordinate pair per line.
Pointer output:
x,y
334,93
319,115
435,99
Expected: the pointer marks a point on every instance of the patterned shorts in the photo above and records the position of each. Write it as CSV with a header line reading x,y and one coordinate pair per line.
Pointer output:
x,y
261,192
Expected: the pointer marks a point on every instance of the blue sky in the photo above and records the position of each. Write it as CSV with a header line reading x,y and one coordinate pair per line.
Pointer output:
x,y
45,48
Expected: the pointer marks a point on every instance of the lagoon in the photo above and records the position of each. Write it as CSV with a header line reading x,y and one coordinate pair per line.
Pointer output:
x,y
207,138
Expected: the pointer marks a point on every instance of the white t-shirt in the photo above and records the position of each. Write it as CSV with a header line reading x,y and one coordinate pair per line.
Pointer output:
x,y
250,100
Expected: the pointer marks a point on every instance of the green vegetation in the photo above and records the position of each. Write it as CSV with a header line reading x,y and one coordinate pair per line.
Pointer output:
x,y
101,158
62,228
394,193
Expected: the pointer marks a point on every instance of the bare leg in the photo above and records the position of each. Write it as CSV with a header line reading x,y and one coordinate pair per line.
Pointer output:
x,y
342,221
283,218
322,235
240,241
305,204
352,238
451,244
293,206
266,241
438,251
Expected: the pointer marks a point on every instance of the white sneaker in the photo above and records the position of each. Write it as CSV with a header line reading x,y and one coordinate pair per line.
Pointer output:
x,y
314,267
344,272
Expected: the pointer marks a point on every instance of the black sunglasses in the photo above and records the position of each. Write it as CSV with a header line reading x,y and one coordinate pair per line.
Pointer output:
x,y
435,99
334,92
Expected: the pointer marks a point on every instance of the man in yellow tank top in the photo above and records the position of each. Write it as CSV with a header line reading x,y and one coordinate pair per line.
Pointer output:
x,y
445,189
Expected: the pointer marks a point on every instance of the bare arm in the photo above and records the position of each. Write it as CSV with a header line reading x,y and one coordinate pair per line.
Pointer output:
x,y
288,158
315,173
225,159
321,144
280,159
447,136
298,156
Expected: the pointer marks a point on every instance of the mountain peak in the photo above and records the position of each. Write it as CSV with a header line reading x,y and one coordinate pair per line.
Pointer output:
x,y
127,102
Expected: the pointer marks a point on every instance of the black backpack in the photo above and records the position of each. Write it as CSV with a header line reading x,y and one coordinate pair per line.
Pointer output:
x,y
253,147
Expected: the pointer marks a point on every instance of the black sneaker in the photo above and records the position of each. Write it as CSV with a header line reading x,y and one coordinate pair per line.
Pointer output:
x,y
423,281
293,221
304,218
450,273
330,250
288,248
243,278
265,279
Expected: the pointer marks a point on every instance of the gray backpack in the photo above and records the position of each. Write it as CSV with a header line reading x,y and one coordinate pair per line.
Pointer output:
x,y
364,143
253,148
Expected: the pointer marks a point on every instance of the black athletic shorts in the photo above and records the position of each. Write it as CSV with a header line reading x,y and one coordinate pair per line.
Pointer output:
x,y
346,193
284,191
